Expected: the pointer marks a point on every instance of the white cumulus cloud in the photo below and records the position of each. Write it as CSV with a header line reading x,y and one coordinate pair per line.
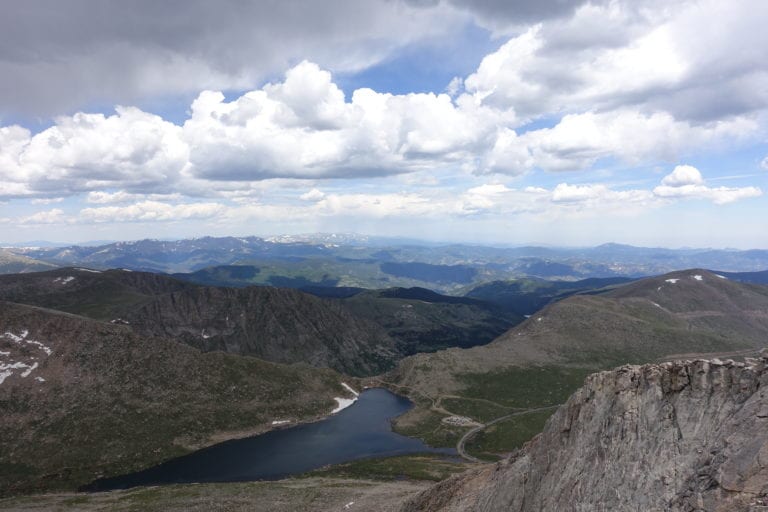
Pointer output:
x,y
683,175
131,149
151,211
54,216
686,181
312,195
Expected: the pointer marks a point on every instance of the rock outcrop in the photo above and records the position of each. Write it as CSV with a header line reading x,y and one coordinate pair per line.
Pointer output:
x,y
676,436
275,324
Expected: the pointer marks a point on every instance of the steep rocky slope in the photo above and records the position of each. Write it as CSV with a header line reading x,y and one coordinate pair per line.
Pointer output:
x,y
80,399
682,436
280,325
363,334
103,295
421,320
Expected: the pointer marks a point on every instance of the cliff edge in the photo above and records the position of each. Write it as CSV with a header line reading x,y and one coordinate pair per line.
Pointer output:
x,y
676,436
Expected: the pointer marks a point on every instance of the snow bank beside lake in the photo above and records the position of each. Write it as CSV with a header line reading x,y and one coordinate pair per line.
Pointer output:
x,y
343,403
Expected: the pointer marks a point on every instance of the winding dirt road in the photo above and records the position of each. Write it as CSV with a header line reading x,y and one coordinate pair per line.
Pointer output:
x,y
470,433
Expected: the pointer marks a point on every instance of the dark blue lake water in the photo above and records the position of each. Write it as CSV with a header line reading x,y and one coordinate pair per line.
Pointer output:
x,y
359,431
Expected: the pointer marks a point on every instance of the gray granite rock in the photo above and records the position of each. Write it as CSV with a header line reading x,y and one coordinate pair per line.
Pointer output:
x,y
682,436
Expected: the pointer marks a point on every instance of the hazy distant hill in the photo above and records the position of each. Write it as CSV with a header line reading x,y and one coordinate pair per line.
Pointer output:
x,y
173,256
11,263
745,277
352,261
82,399
525,296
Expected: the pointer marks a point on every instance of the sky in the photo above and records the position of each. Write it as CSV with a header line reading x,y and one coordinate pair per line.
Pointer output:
x,y
557,122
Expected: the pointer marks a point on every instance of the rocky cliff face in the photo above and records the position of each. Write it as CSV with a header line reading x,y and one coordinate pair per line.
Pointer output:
x,y
681,436
279,325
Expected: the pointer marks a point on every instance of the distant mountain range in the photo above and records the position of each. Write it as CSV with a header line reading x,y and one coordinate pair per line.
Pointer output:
x,y
364,262
10,263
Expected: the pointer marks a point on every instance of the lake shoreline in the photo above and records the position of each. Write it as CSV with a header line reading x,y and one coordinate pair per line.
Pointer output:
x,y
361,430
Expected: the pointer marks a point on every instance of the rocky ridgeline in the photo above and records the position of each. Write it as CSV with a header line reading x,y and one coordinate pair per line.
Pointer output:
x,y
676,436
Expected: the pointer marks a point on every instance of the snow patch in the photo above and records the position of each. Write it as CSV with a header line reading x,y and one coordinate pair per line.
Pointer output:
x,y
657,305
343,403
349,505
673,281
14,338
721,277
39,379
29,370
15,366
88,270
349,388
64,280
18,339
203,335
539,319
6,370
280,422
698,277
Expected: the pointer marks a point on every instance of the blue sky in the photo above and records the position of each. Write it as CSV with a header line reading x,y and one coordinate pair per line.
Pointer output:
x,y
560,123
